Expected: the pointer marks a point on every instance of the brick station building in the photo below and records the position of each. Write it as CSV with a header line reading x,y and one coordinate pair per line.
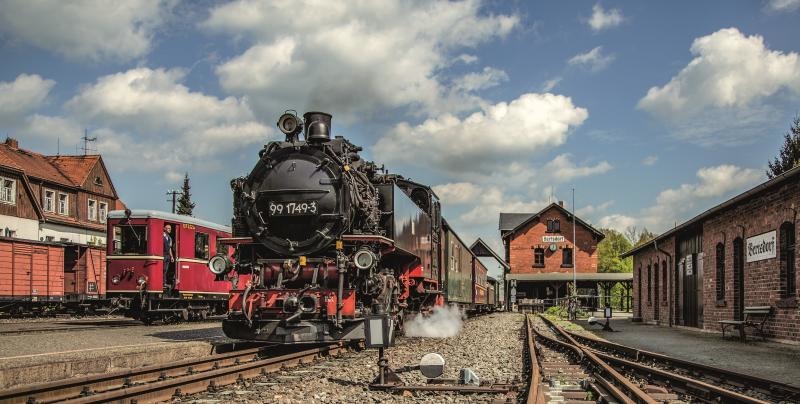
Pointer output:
x,y
741,253
541,254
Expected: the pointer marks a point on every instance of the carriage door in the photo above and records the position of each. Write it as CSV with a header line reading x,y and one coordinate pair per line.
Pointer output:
x,y
171,268
738,279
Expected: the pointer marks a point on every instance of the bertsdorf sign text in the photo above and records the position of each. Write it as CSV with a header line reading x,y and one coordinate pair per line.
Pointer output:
x,y
552,239
761,247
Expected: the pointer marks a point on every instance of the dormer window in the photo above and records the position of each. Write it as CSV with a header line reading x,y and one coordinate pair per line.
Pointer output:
x,y
98,181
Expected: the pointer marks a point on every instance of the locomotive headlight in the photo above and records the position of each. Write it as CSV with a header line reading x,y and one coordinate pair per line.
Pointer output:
x,y
364,259
290,124
220,264
115,279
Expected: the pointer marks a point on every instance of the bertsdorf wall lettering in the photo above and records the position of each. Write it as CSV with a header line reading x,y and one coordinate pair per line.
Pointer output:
x,y
761,247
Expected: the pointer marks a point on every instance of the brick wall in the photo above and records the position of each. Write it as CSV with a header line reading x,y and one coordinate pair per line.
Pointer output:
x,y
644,307
762,286
523,243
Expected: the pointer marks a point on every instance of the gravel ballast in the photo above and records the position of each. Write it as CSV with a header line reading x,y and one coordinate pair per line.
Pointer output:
x,y
490,345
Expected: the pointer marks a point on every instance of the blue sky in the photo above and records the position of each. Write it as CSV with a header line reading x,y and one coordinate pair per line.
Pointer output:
x,y
652,111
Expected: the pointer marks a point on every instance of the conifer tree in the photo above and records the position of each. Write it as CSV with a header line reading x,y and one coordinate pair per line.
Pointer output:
x,y
185,204
789,156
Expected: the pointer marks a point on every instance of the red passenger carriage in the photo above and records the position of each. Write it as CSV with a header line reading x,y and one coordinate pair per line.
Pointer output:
x,y
149,287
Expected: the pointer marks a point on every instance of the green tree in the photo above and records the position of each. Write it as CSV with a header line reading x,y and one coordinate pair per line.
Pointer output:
x,y
789,155
185,204
609,250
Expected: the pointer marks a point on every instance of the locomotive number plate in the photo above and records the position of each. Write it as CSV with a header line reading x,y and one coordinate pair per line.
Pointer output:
x,y
293,208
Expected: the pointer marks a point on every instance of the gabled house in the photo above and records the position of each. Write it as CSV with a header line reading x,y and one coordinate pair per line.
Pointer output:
x,y
61,199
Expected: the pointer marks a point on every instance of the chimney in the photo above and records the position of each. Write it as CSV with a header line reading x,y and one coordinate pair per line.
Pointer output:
x,y
12,143
561,203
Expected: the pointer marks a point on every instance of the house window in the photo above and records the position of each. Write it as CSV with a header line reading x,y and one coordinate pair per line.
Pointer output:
x,y
538,257
63,204
92,210
49,204
566,257
720,271
98,181
788,273
201,245
8,192
103,211
554,226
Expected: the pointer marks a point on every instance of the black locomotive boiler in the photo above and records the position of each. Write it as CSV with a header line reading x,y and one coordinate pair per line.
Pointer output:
x,y
329,239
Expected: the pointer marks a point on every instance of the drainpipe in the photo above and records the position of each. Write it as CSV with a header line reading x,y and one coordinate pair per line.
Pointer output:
x,y
669,289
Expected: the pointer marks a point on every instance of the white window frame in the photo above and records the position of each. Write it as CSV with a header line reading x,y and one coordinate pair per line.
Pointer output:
x,y
91,211
11,197
65,211
52,201
102,211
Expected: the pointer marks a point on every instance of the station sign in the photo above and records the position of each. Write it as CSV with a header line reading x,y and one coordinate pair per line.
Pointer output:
x,y
762,247
553,239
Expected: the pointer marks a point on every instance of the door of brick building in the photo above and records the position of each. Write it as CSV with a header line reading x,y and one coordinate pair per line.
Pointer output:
x,y
738,279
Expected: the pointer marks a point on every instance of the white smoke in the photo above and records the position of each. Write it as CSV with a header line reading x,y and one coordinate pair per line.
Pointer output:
x,y
442,323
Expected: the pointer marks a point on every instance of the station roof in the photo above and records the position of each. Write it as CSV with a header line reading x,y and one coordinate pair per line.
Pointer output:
x,y
794,172
481,249
511,222
567,276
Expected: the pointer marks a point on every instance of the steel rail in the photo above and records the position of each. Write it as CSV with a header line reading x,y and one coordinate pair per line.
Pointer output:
x,y
697,388
535,394
161,382
781,391
635,393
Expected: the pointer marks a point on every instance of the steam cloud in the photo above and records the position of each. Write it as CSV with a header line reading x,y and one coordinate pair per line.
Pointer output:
x,y
442,323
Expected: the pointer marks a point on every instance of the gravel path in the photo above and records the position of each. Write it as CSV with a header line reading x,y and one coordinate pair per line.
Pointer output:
x,y
490,345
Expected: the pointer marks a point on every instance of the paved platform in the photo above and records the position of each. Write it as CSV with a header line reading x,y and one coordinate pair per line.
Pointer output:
x,y
50,352
770,360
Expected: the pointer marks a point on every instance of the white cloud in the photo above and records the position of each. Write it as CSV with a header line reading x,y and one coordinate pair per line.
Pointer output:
x,y
548,85
675,205
649,160
475,81
588,211
721,91
493,200
602,19
85,29
562,169
351,57
490,138
783,5
22,96
466,59
617,222
593,60
149,115
457,192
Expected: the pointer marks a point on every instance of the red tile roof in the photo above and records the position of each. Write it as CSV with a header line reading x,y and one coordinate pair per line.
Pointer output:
x,y
70,171
75,168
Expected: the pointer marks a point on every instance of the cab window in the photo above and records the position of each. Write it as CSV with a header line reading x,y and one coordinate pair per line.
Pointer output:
x,y
201,245
130,240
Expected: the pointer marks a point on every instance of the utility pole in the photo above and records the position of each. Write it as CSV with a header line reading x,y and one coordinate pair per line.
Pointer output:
x,y
174,194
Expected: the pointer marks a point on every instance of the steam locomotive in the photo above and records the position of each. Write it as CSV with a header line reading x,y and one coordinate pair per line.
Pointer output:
x,y
330,238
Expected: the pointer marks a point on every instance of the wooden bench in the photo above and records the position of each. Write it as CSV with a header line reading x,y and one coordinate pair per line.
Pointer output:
x,y
754,317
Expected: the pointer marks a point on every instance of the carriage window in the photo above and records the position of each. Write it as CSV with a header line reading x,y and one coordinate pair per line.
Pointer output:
x,y
221,247
130,240
201,245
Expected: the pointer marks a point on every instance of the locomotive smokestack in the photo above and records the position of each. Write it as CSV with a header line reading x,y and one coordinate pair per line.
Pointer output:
x,y
318,126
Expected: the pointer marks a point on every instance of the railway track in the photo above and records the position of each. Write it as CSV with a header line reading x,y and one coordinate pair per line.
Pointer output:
x,y
756,387
162,382
680,381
